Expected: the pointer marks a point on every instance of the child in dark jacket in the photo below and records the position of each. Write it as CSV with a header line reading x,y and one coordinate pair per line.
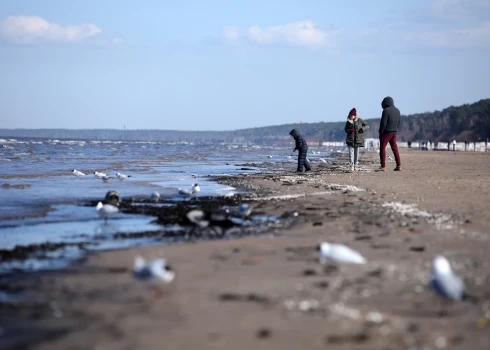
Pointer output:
x,y
302,148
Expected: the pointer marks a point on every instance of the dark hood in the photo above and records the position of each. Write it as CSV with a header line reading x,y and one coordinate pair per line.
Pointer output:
x,y
387,102
294,133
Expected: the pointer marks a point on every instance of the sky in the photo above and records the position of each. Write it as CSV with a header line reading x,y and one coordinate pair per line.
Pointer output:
x,y
226,65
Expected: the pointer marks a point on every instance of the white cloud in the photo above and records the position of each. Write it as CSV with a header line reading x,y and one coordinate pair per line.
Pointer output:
x,y
303,33
231,35
25,30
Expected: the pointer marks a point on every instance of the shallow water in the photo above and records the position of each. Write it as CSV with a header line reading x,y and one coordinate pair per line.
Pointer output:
x,y
41,200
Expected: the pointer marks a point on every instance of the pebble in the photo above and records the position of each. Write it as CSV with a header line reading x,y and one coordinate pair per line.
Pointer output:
x,y
441,342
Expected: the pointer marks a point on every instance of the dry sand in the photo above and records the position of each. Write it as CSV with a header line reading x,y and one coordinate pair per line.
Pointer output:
x,y
270,292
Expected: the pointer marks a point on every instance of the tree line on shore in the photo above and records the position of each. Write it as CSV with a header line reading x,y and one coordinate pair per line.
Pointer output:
x,y
469,122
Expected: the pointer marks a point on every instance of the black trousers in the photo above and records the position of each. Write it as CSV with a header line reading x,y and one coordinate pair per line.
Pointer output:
x,y
302,161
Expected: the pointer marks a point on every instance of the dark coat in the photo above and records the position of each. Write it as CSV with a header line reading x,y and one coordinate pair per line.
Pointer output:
x,y
301,144
390,118
359,126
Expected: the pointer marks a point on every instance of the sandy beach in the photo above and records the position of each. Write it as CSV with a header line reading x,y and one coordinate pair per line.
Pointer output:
x,y
270,292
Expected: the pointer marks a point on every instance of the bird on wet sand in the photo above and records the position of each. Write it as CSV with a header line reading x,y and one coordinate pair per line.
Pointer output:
x,y
217,221
122,177
78,173
444,281
334,253
156,273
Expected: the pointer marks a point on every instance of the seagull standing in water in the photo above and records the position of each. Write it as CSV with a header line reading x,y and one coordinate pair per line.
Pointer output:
x,y
155,272
121,177
106,210
195,189
339,254
99,175
444,281
184,193
77,173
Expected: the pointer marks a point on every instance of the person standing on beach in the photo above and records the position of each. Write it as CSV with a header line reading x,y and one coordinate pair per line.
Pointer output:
x,y
302,148
388,127
354,127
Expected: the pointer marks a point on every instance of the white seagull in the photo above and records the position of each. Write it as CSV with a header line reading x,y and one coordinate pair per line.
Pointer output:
x,y
269,156
339,254
184,193
444,281
99,175
155,196
198,217
106,178
77,173
154,272
106,210
121,177
323,160
195,188
244,210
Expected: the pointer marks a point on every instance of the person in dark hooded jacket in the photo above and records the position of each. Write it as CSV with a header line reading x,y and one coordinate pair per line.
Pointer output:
x,y
302,148
388,127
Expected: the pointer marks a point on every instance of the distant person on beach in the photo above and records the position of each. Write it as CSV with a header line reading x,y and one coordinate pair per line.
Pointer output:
x,y
388,127
354,127
302,148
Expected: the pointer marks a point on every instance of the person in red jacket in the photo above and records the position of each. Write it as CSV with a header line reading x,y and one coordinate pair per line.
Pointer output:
x,y
388,126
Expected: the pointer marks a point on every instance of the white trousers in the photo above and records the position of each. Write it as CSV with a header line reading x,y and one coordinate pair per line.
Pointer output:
x,y
353,155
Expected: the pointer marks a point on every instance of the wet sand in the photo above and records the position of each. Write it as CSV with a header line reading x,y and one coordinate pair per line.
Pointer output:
x,y
270,292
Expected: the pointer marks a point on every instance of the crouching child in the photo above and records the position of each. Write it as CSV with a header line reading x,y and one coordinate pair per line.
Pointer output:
x,y
302,148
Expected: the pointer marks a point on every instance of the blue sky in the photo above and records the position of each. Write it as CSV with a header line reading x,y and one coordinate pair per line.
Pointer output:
x,y
224,65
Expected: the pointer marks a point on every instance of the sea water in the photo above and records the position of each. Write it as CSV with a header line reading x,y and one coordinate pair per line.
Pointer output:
x,y
40,197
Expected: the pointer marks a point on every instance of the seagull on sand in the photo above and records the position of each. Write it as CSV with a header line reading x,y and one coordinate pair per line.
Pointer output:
x,y
334,253
77,173
155,272
444,281
219,222
106,210
121,177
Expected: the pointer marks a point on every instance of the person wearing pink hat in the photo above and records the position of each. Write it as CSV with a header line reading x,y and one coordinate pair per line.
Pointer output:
x,y
354,127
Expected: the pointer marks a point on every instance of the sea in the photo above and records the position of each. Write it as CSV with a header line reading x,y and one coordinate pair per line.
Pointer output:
x,y
41,200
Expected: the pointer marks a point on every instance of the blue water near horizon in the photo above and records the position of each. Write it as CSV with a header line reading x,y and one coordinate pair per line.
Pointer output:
x,y
41,200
